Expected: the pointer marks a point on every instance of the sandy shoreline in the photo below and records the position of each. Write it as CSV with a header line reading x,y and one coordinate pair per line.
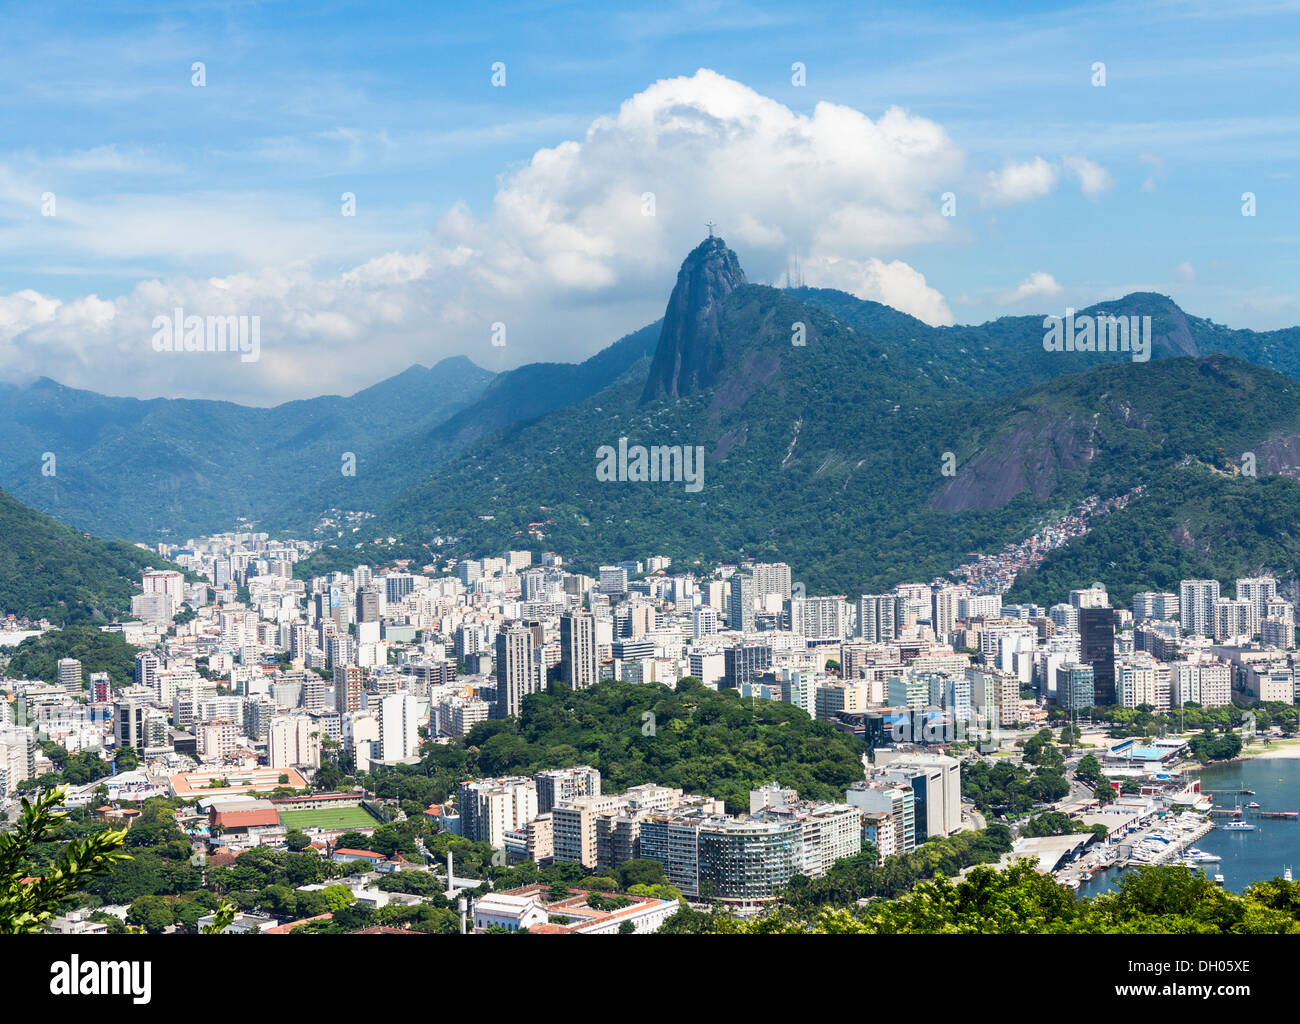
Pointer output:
x,y
1288,750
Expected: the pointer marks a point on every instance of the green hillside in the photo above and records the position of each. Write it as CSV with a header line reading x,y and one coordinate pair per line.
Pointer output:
x,y
1192,522
50,570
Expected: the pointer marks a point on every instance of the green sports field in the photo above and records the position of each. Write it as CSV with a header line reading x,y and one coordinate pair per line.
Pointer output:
x,y
336,817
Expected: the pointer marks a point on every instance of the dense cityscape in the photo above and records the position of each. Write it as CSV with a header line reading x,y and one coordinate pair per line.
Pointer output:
x,y
704,468
260,712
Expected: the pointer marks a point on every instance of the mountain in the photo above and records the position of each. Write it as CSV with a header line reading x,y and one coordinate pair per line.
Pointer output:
x,y
1006,355
49,570
170,468
173,468
1191,522
690,354
515,396
831,454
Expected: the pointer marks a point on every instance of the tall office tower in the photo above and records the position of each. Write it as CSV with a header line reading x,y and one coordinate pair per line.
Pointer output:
x,y
1097,648
771,578
70,673
361,576
943,608
876,620
1074,687
399,736
368,604
1196,604
516,676
397,585
1258,591
349,681
128,722
578,665
740,606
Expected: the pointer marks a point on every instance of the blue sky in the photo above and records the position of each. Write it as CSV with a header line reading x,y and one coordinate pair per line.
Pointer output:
x,y
518,204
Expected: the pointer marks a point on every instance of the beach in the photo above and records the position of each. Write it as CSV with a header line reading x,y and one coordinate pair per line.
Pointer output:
x,y
1283,748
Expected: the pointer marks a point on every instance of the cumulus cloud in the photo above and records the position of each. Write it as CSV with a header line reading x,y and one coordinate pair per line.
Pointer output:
x,y
579,245
1020,182
894,284
1093,178
1038,285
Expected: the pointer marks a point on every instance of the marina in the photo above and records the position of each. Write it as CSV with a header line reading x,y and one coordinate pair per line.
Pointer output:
x,y
1265,849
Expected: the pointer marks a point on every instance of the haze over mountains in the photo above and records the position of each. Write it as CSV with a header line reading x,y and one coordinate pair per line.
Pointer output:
x,y
823,442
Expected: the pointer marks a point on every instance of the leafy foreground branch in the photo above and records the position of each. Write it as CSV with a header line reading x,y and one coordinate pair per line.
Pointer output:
x,y
1153,900
27,903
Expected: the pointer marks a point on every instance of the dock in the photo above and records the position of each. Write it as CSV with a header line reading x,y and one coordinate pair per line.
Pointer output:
x,y
1282,815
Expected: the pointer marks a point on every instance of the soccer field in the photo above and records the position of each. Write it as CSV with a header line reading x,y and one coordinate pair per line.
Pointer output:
x,y
336,817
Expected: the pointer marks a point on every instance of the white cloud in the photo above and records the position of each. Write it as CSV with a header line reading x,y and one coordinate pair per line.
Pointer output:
x,y
1020,182
564,256
1185,272
894,284
1038,285
1093,178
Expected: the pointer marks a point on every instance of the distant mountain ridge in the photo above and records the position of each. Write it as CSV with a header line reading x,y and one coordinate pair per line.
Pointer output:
x,y
719,369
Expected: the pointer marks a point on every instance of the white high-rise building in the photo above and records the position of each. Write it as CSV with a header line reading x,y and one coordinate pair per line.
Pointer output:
x,y
1140,679
516,674
820,619
771,578
489,808
289,743
876,619
1234,619
1258,591
165,581
1149,604
1196,600
579,665
943,608
399,735
1094,596
704,621
70,674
